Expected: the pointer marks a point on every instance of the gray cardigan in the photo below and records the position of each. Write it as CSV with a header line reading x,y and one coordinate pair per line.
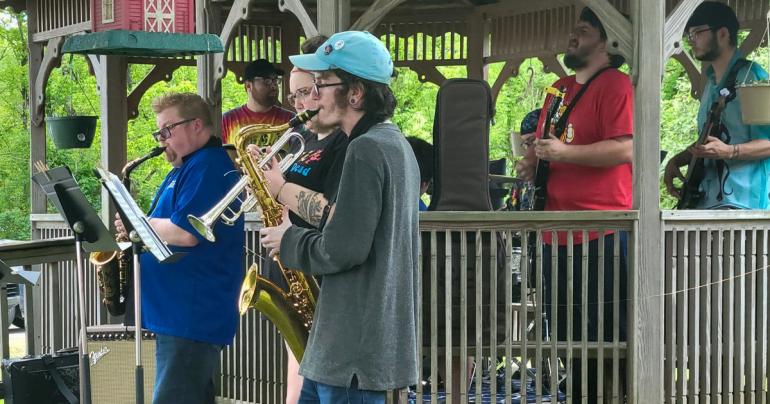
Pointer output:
x,y
366,319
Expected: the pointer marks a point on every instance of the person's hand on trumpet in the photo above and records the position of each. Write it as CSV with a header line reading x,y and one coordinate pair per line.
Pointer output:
x,y
273,175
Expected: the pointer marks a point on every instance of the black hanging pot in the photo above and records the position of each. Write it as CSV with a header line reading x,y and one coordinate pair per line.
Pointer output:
x,y
71,132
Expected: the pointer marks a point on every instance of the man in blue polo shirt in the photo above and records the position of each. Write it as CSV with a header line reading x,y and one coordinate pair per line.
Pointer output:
x,y
191,305
737,165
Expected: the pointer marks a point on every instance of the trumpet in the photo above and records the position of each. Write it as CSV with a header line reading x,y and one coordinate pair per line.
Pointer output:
x,y
222,211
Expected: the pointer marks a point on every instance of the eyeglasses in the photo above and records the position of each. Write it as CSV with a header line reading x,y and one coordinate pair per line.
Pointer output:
x,y
299,95
269,81
694,34
317,87
165,132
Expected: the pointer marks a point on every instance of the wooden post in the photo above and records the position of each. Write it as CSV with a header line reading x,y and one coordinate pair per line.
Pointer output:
x,y
333,16
37,150
478,46
646,336
208,86
111,75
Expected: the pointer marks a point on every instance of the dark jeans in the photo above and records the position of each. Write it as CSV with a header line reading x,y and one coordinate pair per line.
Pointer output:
x,y
185,370
315,392
593,300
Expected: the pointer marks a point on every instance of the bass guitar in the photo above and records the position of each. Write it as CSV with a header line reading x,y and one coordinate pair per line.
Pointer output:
x,y
691,194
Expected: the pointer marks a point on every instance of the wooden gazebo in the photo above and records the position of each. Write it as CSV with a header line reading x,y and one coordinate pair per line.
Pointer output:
x,y
668,310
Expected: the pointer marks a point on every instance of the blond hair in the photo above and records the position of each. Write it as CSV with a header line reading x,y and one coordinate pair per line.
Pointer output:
x,y
188,105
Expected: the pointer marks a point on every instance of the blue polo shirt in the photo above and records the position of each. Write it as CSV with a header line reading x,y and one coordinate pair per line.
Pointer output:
x,y
747,182
196,297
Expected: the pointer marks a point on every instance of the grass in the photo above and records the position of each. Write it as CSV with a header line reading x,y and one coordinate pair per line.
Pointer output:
x,y
17,345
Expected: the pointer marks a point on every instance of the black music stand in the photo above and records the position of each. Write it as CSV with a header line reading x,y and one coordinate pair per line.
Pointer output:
x,y
90,235
142,237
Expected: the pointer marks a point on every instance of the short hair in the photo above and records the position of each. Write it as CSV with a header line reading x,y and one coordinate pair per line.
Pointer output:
x,y
588,15
313,43
715,15
379,101
423,152
188,105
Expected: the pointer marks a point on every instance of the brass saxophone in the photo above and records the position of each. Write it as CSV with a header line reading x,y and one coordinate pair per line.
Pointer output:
x,y
115,268
291,311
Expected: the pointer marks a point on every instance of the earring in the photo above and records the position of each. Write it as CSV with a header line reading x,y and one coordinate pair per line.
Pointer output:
x,y
353,101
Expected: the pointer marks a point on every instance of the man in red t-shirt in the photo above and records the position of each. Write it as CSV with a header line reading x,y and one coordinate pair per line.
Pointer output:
x,y
260,80
590,169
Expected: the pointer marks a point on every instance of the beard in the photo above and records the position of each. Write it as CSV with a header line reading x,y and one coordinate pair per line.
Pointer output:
x,y
578,59
711,52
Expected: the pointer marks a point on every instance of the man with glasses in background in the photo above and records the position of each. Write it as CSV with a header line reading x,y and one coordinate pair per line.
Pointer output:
x,y
191,304
737,163
260,80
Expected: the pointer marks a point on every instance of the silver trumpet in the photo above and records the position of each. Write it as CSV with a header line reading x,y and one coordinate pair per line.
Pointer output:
x,y
222,210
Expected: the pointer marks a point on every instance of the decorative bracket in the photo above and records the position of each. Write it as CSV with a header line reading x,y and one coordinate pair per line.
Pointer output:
x,y
428,74
239,12
756,36
374,14
552,64
674,27
296,8
697,80
510,69
618,28
159,72
51,59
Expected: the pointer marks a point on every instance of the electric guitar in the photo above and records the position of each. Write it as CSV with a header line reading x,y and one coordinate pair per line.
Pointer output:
x,y
541,171
691,193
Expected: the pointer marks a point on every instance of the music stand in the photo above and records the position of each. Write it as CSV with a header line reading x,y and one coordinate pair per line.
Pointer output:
x,y
142,236
90,235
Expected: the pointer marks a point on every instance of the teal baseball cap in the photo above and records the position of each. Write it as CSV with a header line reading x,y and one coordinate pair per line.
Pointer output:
x,y
356,52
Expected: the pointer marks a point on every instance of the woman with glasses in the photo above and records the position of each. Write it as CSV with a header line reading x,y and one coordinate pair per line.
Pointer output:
x,y
308,184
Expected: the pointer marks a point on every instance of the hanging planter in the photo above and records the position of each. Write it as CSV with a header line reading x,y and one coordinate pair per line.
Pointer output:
x,y
755,96
72,132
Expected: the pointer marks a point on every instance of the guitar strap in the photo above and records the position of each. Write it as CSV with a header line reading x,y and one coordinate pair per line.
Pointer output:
x,y
562,122
723,169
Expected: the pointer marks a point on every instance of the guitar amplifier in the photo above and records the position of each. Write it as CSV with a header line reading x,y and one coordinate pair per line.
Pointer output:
x,y
112,359
42,379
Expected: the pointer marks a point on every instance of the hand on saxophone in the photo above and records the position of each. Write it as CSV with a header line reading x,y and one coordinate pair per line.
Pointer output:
x,y
270,237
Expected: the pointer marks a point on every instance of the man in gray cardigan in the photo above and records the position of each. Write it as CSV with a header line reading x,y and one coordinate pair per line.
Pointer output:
x,y
364,335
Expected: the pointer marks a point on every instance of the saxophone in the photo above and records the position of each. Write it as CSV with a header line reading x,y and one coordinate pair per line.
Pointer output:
x,y
291,310
114,268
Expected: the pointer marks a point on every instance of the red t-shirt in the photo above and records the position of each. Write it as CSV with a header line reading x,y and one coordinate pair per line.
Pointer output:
x,y
236,118
603,112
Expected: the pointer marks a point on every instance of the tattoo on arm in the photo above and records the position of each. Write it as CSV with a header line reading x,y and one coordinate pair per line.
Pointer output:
x,y
310,207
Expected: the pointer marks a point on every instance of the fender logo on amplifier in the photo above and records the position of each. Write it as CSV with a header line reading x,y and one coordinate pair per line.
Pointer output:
x,y
96,356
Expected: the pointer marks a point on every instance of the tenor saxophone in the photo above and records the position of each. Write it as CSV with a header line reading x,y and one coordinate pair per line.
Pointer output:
x,y
115,268
290,310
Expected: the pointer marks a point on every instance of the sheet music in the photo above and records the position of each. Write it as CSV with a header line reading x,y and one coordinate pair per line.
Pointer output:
x,y
136,218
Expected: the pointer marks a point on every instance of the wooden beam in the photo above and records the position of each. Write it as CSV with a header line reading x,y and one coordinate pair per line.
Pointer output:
x,y
333,16
37,149
111,78
756,36
478,46
645,373
372,17
209,83
618,28
296,8
239,12
51,59
675,26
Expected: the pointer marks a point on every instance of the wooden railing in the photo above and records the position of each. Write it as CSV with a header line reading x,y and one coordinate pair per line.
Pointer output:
x,y
716,301
61,17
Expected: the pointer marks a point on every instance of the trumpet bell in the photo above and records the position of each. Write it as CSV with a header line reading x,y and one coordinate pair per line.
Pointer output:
x,y
203,228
